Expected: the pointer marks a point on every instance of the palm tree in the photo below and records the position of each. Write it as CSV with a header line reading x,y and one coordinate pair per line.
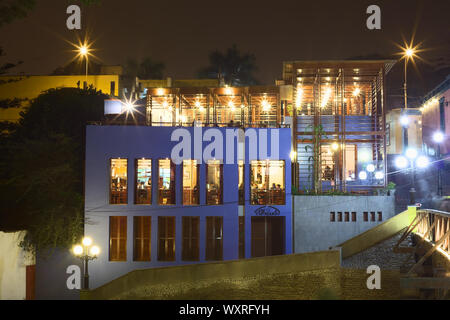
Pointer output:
x,y
234,68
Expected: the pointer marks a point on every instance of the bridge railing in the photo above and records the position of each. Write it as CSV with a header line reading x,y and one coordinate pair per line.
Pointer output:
x,y
434,226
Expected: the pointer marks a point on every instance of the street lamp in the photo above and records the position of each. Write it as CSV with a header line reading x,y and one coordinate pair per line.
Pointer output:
x,y
438,138
412,161
84,52
86,251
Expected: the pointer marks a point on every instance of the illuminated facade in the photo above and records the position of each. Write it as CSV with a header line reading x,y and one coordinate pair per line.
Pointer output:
x,y
146,207
436,117
338,110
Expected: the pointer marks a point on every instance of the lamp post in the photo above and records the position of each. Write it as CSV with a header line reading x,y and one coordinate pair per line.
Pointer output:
x,y
86,251
84,52
438,138
411,161
407,54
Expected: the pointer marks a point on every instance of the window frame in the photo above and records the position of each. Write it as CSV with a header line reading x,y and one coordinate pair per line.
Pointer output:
x,y
268,200
187,253
136,167
220,184
211,253
173,189
110,182
198,182
121,257
140,225
166,238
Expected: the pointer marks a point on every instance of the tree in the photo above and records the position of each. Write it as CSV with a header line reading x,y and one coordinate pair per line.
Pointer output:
x,y
15,9
41,167
234,68
148,68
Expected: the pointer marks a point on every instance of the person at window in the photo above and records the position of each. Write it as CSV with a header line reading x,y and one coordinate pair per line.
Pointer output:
x,y
328,174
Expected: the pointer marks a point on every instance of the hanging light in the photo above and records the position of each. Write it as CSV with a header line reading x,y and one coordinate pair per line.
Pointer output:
x,y
356,92
265,105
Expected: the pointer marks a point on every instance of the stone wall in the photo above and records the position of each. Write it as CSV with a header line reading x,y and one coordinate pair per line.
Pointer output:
x,y
354,287
297,276
313,230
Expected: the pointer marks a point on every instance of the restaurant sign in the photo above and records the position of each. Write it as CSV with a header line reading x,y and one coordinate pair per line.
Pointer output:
x,y
267,211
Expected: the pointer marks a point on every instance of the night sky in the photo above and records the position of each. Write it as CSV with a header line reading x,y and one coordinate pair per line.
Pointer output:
x,y
182,33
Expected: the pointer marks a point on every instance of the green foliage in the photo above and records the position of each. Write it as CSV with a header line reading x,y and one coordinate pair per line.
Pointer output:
x,y
234,68
41,168
391,186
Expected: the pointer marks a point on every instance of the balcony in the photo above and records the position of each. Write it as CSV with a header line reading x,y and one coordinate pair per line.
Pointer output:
x,y
248,107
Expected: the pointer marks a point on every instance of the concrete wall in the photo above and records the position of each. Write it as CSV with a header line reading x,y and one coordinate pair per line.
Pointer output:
x,y
181,281
313,230
13,262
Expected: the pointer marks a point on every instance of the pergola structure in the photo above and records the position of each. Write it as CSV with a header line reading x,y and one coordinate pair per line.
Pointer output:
x,y
257,106
338,107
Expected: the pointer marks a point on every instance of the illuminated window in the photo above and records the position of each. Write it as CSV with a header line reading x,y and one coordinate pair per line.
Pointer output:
x,y
214,182
241,189
214,238
118,183
142,238
267,182
166,238
166,184
117,238
191,182
143,194
350,162
191,238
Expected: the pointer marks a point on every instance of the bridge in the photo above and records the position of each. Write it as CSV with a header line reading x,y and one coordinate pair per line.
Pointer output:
x,y
431,234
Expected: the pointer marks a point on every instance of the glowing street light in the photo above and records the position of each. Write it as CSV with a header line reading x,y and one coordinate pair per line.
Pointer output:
x,y
404,120
379,175
438,137
86,251
362,175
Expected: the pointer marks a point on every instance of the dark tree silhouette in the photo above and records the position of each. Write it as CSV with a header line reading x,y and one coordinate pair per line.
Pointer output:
x,y
148,68
41,167
233,67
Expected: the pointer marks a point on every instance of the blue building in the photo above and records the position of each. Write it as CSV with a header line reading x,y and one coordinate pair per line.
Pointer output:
x,y
191,177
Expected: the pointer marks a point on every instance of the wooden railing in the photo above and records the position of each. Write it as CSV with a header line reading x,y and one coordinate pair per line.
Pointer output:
x,y
434,226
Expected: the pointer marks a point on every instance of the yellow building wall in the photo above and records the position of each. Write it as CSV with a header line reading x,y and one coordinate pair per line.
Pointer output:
x,y
29,87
